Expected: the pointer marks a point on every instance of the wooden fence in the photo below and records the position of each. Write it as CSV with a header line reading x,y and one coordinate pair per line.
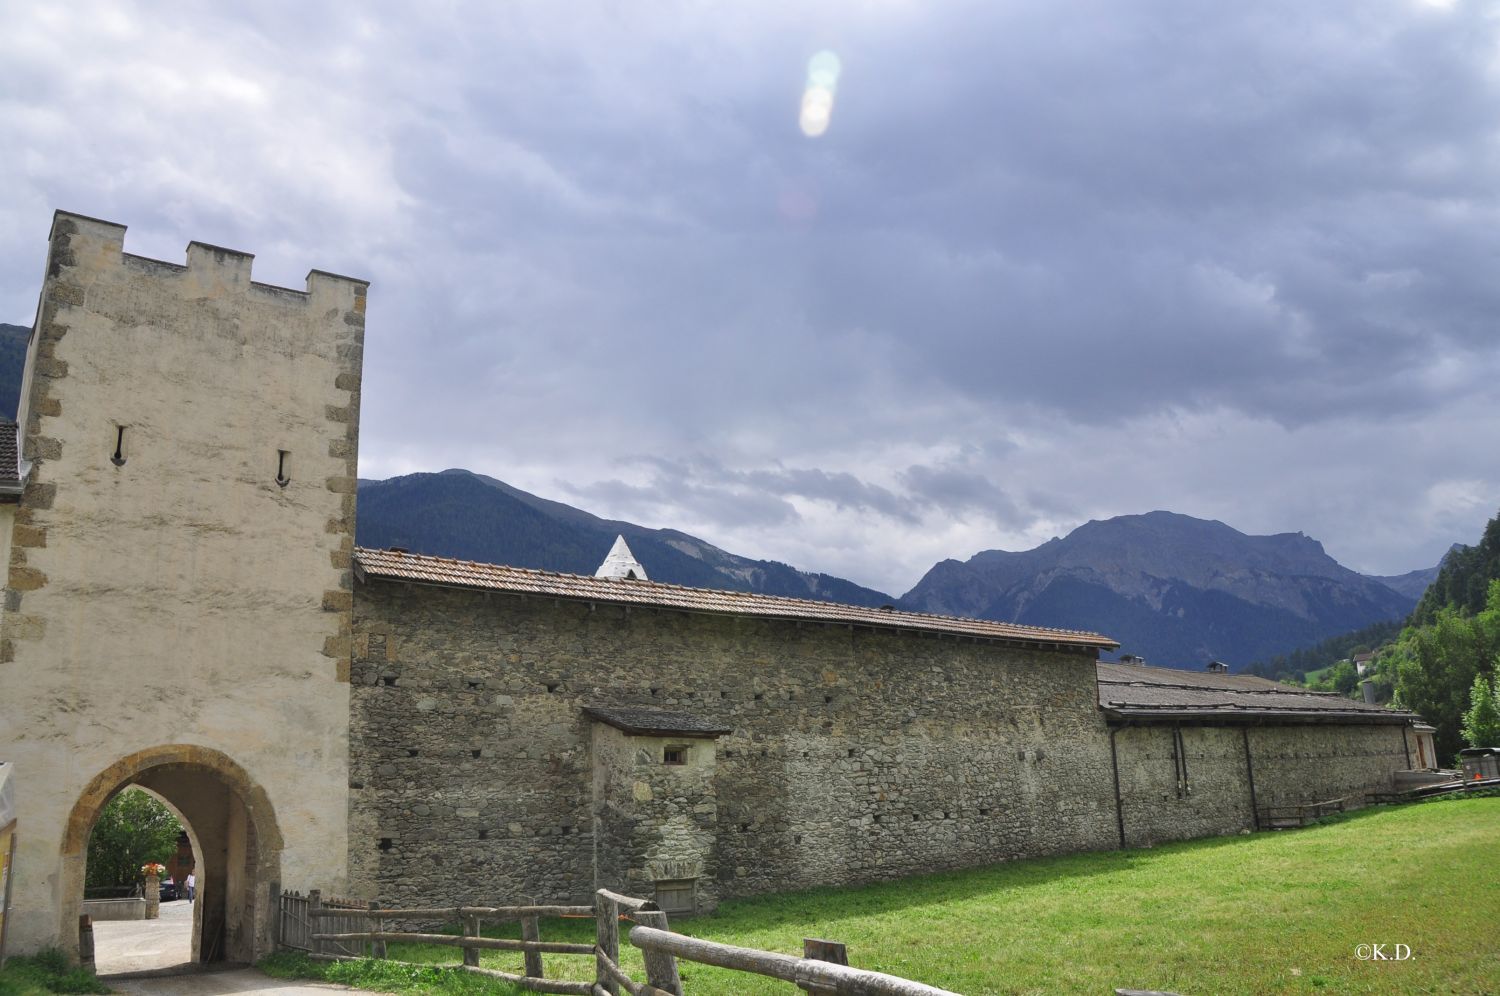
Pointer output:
x,y
351,929
1286,817
294,922
336,931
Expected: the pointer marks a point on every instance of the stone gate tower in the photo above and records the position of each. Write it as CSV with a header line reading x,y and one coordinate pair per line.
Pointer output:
x,y
178,605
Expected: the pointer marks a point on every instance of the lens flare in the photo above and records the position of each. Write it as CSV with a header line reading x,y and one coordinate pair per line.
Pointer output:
x,y
823,71
817,111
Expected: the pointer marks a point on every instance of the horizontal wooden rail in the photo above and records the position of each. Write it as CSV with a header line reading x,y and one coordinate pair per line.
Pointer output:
x,y
630,903
459,941
533,984
801,971
455,912
341,940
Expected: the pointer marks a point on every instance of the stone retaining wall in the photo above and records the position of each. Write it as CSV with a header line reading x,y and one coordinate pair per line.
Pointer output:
x,y
133,908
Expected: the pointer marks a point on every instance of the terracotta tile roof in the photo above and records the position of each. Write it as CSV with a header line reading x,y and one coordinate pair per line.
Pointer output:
x,y
643,722
1128,691
394,565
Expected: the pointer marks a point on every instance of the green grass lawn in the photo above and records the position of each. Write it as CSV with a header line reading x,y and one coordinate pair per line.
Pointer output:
x,y
48,972
1269,913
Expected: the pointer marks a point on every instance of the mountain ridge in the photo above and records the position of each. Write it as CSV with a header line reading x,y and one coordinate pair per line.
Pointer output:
x,y
457,513
13,341
1168,586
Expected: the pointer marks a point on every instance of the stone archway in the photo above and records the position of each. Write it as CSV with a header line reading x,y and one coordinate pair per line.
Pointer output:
x,y
234,832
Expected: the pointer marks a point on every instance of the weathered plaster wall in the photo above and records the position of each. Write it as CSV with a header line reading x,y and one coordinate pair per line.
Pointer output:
x,y
1292,765
182,598
855,755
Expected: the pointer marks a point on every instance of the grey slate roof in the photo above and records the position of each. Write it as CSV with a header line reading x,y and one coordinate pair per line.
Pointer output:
x,y
1129,692
10,461
642,722
396,565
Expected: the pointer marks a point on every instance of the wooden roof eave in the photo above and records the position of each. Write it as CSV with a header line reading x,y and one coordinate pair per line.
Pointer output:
x,y
1247,717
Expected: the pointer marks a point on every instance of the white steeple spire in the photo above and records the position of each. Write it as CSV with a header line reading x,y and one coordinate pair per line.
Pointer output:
x,y
621,563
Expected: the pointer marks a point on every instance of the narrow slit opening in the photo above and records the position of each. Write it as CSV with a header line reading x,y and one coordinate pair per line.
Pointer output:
x,y
282,476
119,455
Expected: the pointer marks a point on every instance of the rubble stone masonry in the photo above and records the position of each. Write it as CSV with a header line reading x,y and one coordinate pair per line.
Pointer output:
x,y
854,754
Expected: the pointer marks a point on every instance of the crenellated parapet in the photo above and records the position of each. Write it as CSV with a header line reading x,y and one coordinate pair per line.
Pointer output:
x,y
83,244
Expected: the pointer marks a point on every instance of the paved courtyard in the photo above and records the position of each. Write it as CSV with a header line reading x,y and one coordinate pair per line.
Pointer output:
x,y
243,980
142,945
165,944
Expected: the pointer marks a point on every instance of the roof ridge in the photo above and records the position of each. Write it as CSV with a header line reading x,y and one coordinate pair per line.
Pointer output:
x,y
1021,630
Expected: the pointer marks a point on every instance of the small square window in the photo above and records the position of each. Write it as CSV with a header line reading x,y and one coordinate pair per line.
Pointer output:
x,y
677,896
675,754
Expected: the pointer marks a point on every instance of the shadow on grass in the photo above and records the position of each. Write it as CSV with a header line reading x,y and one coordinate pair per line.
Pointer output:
x,y
822,909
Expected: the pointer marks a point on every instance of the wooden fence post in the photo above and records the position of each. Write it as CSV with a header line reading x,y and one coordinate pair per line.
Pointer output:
x,y
86,941
607,940
531,931
661,966
315,922
833,952
471,929
377,948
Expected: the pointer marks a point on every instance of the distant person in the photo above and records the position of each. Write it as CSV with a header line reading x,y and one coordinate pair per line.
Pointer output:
x,y
192,884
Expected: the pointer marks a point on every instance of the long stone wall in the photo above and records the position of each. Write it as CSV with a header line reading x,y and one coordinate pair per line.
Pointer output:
x,y
1292,764
854,755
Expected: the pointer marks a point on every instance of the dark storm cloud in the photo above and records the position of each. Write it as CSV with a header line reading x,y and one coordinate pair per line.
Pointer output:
x,y
731,490
1050,261
961,491
762,497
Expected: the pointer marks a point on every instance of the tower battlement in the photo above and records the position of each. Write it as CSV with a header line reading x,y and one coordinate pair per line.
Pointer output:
x,y
78,239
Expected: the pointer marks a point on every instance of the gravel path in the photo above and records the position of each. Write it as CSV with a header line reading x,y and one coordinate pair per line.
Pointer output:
x,y
243,980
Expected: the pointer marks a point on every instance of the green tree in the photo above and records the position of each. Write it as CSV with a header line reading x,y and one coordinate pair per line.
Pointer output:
x,y
1344,677
1464,579
1436,665
131,830
1481,726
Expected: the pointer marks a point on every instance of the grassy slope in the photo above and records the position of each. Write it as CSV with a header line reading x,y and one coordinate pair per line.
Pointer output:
x,y
1273,913
1313,676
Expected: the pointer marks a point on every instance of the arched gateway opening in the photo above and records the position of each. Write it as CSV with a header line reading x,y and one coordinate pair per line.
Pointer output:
x,y
234,833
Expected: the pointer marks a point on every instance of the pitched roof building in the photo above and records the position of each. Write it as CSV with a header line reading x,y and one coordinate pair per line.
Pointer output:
x,y
1136,692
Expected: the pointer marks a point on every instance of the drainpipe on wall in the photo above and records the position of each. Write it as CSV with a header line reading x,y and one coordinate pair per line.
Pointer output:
x,y
1250,771
1114,762
1176,764
1187,783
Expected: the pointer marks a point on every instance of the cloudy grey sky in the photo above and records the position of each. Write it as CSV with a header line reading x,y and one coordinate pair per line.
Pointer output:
x,y
1048,262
